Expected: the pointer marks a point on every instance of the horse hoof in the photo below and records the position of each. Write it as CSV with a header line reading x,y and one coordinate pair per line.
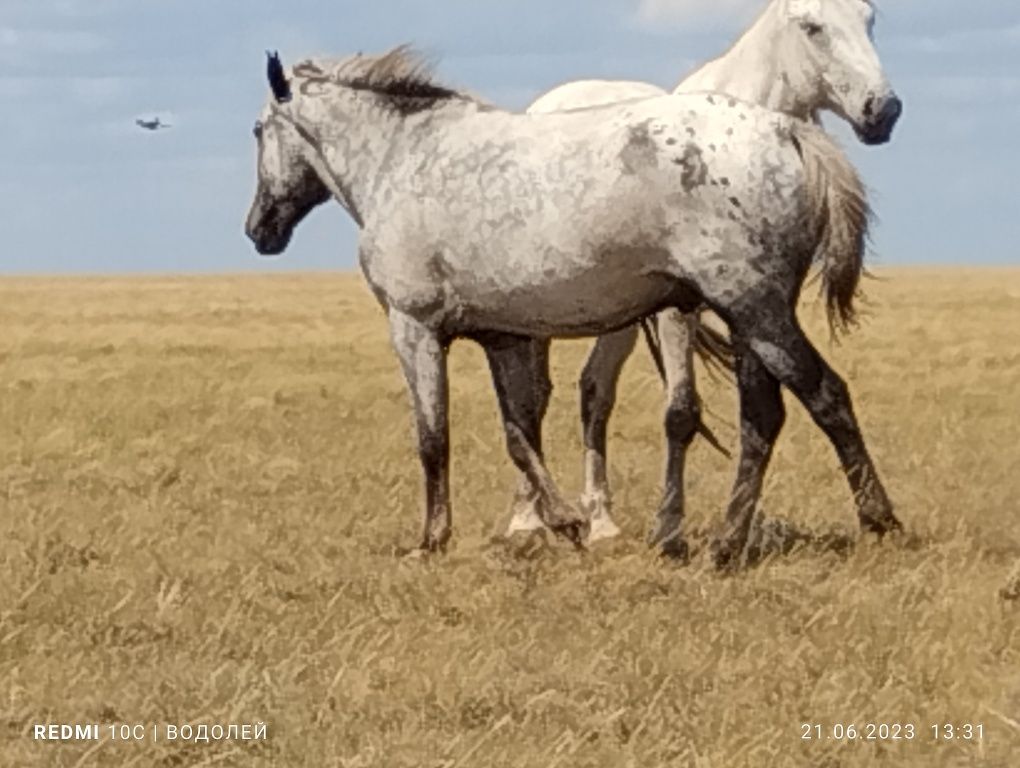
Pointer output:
x,y
880,524
517,527
431,545
600,528
675,549
414,554
524,521
667,537
575,531
1012,589
725,554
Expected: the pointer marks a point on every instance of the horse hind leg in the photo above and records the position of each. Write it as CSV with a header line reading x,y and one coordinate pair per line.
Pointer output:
x,y
511,360
597,385
525,514
761,419
827,398
682,419
777,341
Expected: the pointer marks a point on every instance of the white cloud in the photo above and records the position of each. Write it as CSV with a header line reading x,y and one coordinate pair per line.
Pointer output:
x,y
673,12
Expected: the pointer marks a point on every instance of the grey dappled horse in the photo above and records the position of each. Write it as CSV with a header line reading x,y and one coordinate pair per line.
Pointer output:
x,y
512,229
800,57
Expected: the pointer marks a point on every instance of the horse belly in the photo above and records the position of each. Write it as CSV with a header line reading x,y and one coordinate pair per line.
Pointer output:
x,y
561,300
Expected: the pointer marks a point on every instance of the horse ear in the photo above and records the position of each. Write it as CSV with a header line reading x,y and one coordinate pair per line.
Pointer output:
x,y
277,79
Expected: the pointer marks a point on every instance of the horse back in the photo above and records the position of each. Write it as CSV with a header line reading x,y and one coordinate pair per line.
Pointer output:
x,y
626,173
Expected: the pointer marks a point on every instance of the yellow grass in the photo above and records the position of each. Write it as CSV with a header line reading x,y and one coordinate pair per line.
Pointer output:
x,y
203,482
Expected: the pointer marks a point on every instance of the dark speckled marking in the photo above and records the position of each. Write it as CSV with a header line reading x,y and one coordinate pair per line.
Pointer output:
x,y
671,141
711,100
735,202
695,172
640,149
438,268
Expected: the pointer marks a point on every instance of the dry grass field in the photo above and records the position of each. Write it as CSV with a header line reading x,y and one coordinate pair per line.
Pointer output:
x,y
204,482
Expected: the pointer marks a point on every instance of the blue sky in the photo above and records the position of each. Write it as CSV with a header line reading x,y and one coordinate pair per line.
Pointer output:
x,y
83,190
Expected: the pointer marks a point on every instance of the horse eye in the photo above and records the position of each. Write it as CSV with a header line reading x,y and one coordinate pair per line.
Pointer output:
x,y
811,28
257,130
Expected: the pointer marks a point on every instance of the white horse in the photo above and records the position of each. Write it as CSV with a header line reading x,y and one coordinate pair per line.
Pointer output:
x,y
800,57
512,229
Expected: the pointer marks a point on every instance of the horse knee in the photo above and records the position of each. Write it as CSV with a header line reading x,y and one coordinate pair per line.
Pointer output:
x,y
683,417
433,447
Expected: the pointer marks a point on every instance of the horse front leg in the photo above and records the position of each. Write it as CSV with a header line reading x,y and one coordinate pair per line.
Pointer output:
x,y
423,359
597,385
682,419
512,362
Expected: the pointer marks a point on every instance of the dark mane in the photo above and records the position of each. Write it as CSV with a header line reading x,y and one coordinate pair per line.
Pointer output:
x,y
401,77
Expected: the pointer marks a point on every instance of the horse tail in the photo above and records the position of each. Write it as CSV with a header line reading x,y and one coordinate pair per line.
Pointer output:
x,y
651,332
711,346
715,351
841,216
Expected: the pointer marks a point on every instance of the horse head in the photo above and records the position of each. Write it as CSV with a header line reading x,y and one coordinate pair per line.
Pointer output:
x,y
835,40
288,185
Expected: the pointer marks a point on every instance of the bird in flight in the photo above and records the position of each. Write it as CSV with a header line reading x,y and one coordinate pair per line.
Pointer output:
x,y
151,125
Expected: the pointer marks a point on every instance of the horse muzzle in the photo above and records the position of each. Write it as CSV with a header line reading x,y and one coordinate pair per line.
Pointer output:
x,y
881,116
268,240
263,228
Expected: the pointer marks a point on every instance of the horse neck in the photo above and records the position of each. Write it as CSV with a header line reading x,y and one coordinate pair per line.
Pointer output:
x,y
348,140
353,153
760,69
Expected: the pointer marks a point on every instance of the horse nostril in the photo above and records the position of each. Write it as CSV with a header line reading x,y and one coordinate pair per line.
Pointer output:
x,y
893,107
869,107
